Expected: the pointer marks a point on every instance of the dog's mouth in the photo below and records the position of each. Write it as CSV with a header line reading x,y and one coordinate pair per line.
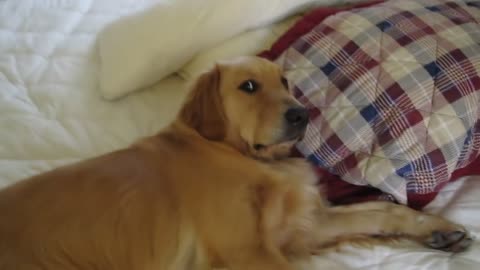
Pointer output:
x,y
289,141
277,149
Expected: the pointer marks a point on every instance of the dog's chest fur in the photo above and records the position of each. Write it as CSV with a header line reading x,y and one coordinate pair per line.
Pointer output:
x,y
244,202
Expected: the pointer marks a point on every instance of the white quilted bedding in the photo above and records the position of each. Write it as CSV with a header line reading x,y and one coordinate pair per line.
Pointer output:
x,y
51,114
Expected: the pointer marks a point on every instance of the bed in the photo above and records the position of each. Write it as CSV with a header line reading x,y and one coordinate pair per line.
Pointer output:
x,y
51,114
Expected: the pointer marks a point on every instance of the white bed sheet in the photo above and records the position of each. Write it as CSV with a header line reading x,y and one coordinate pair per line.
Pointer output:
x,y
51,113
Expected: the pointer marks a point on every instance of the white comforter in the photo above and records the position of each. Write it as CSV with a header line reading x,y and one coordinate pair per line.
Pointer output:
x,y
52,114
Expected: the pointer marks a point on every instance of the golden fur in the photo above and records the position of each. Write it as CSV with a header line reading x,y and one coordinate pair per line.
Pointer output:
x,y
214,189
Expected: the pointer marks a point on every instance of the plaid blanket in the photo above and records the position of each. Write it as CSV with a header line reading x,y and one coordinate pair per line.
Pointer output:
x,y
392,90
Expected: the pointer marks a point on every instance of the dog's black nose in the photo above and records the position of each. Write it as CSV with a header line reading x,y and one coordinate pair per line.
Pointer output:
x,y
297,116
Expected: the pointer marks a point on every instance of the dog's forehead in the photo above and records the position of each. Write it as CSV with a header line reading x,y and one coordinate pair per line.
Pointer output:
x,y
252,66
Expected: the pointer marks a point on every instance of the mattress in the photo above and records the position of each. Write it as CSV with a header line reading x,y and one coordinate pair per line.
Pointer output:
x,y
51,114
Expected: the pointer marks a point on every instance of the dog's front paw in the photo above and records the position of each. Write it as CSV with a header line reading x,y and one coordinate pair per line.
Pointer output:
x,y
451,241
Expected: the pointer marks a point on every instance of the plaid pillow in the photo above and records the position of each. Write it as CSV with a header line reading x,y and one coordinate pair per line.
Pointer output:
x,y
393,93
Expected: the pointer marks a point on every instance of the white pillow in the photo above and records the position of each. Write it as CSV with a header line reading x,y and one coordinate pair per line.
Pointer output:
x,y
248,43
141,49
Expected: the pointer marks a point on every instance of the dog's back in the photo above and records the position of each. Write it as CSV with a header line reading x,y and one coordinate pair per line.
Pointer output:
x,y
109,212
145,207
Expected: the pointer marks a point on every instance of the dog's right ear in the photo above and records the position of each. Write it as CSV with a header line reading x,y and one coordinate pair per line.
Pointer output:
x,y
203,110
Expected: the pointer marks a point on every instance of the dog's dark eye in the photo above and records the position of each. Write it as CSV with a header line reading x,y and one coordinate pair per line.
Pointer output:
x,y
258,146
249,86
285,82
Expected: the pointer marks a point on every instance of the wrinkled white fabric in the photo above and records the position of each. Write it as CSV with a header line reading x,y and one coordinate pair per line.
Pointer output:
x,y
50,110
248,43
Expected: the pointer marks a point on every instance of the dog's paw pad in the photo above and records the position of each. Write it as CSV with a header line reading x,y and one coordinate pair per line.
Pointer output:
x,y
452,241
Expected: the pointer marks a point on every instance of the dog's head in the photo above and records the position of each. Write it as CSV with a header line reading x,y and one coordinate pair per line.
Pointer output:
x,y
246,102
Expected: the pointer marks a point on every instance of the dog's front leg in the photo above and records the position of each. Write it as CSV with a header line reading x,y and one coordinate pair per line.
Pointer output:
x,y
383,219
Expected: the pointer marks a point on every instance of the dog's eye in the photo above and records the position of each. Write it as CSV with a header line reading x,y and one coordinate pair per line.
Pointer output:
x,y
258,146
284,82
249,86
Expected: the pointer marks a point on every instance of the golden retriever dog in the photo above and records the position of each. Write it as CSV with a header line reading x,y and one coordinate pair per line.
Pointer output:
x,y
216,188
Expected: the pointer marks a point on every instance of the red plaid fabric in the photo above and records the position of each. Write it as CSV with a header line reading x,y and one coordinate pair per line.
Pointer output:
x,y
393,92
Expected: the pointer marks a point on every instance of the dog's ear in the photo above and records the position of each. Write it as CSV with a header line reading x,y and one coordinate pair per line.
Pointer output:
x,y
203,110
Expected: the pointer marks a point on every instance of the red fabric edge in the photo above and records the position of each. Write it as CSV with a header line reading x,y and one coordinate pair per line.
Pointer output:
x,y
339,191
